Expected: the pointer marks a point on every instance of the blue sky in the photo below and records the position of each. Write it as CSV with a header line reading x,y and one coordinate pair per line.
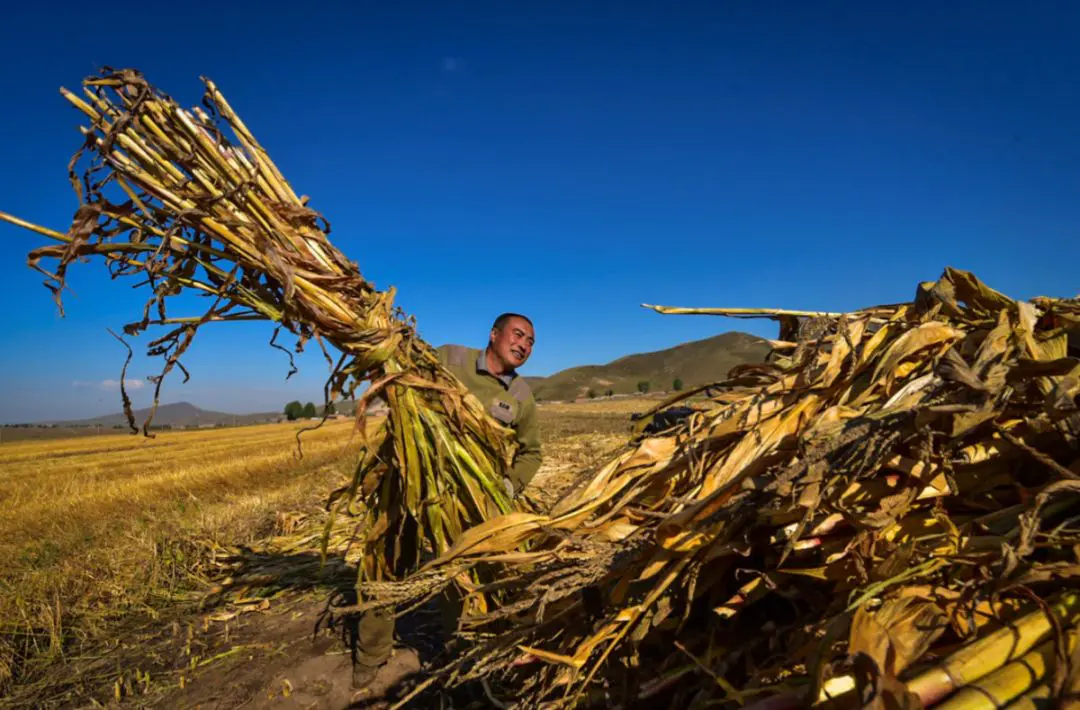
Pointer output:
x,y
570,160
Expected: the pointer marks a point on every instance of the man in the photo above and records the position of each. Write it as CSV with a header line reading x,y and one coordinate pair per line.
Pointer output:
x,y
491,376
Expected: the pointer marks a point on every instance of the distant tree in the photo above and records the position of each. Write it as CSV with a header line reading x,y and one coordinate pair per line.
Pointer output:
x,y
590,394
677,384
609,392
309,410
329,409
643,386
294,410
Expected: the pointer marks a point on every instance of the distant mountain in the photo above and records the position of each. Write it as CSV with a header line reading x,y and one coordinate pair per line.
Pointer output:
x,y
698,362
178,414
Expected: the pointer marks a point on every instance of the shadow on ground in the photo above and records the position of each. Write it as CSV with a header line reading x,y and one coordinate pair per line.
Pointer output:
x,y
266,637
291,650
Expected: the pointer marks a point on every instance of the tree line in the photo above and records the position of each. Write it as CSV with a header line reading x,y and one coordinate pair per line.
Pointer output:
x,y
294,410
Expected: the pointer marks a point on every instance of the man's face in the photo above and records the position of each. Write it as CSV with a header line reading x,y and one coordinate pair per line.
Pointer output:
x,y
513,343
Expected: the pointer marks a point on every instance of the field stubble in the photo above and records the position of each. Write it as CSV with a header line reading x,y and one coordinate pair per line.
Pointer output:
x,y
96,528
102,531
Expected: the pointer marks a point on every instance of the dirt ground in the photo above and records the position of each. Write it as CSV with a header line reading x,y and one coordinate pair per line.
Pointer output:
x,y
287,657
285,652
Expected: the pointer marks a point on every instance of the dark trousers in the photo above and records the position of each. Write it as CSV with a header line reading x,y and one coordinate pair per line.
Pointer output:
x,y
375,630
375,637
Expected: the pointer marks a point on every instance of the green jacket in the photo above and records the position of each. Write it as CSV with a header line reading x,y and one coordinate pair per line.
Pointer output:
x,y
508,398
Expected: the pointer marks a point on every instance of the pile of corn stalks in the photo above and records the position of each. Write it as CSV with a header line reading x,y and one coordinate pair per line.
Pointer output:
x,y
886,514
188,203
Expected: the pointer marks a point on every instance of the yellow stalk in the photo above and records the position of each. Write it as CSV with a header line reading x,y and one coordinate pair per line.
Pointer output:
x,y
742,312
1008,682
1035,699
980,657
278,180
44,231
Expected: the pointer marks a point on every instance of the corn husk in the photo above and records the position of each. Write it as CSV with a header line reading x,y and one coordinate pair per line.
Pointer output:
x,y
896,484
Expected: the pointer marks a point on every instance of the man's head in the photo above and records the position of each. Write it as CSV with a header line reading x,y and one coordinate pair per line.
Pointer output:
x,y
511,341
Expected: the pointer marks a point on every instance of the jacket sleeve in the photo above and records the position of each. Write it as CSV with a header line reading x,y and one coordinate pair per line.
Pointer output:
x,y
528,457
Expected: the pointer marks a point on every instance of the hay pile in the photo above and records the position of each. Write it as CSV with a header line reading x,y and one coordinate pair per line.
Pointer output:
x,y
887,514
187,203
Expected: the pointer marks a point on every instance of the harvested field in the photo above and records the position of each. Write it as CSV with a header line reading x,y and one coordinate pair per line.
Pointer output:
x,y
98,527
113,537
559,420
11,434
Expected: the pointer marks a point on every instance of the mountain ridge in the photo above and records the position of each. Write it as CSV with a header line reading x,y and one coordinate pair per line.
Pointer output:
x,y
697,362
174,414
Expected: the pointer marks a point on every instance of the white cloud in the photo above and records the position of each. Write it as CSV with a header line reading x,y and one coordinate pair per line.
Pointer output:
x,y
115,384
110,384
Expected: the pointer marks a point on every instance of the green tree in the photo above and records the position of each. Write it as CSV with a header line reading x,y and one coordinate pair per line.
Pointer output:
x,y
610,392
309,410
294,410
677,385
590,394
643,386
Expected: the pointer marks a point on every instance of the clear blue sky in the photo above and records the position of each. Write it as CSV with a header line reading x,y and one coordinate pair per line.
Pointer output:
x,y
570,160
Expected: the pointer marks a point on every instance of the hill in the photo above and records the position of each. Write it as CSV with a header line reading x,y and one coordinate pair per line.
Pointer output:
x,y
177,414
698,362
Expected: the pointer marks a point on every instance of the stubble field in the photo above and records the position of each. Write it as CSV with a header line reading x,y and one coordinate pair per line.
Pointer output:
x,y
104,538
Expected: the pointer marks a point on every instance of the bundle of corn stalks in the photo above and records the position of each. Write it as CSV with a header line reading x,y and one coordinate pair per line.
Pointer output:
x,y
188,203
887,514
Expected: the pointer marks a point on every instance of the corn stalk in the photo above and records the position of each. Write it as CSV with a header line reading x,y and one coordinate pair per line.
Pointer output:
x,y
894,484
189,203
